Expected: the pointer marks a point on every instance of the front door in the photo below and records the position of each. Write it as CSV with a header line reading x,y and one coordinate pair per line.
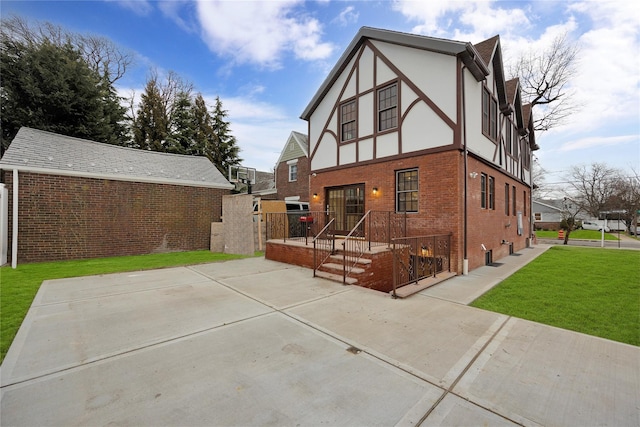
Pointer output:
x,y
348,204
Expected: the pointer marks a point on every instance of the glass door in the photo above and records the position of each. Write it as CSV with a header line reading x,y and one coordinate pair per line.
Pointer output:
x,y
348,204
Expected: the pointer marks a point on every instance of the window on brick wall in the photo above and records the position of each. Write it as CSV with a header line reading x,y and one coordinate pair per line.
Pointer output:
x,y
492,193
514,201
293,172
407,190
506,199
483,191
524,198
348,122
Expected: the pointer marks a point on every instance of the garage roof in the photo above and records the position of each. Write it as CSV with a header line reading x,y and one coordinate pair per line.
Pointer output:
x,y
38,151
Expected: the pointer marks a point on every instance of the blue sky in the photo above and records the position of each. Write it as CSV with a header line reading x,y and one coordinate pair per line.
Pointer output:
x,y
266,59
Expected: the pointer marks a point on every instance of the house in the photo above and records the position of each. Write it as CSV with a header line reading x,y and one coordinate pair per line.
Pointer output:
x,y
292,169
547,214
82,199
430,129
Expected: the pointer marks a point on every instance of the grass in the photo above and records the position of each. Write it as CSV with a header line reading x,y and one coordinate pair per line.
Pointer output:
x,y
590,290
576,234
19,286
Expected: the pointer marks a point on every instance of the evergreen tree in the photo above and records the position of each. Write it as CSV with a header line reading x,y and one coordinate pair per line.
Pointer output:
x,y
150,128
225,151
203,137
180,139
50,87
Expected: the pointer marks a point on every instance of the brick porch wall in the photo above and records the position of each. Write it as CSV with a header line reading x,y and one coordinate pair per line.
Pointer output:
x,y
63,217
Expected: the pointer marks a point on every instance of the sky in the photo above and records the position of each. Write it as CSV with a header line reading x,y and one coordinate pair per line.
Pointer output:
x,y
266,59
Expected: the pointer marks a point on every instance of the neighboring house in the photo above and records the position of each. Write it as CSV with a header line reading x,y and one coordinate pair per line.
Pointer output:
x,y
547,214
292,169
83,199
427,127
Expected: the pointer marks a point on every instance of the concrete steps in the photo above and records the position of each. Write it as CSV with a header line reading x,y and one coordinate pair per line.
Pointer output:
x,y
333,269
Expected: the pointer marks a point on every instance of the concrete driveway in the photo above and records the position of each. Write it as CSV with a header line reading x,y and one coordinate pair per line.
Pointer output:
x,y
255,342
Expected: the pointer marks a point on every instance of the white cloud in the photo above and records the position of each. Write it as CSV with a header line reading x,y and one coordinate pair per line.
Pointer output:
x,y
139,7
261,32
347,16
596,141
261,129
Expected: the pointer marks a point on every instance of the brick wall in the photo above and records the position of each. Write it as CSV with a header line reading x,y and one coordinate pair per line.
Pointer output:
x,y
300,187
63,217
440,188
441,204
489,227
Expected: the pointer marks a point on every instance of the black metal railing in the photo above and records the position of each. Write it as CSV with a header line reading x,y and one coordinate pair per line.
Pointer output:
x,y
324,245
415,258
300,226
375,228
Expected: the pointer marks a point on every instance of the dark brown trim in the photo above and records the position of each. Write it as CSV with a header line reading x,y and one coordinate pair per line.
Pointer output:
x,y
434,150
413,87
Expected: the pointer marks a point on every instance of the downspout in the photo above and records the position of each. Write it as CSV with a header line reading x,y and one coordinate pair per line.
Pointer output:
x,y
465,261
14,220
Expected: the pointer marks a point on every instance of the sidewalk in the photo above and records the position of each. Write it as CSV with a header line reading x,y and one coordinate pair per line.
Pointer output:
x,y
256,342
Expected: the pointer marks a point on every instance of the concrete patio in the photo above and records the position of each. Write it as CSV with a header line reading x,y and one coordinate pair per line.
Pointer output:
x,y
256,342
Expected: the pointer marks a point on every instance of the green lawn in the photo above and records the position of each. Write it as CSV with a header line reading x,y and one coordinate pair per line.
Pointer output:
x,y
577,234
18,287
590,290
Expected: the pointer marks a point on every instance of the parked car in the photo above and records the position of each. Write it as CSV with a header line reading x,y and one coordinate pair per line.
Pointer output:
x,y
589,225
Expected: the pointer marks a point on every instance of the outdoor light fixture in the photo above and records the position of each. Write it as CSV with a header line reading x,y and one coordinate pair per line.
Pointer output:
x,y
375,190
315,195
473,174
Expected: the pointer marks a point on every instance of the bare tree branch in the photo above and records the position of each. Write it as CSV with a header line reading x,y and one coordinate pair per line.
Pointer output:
x,y
544,81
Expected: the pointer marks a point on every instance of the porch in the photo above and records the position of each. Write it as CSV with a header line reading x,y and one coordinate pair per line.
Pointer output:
x,y
375,254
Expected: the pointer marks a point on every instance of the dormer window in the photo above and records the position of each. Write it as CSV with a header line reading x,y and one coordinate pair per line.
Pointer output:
x,y
388,107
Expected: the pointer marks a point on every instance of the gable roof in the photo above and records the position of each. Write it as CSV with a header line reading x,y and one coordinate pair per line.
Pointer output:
x,y
297,138
491,53
38,151
466,51
553,205
265,183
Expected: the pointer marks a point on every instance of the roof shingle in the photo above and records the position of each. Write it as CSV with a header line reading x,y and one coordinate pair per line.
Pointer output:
x,y
39,151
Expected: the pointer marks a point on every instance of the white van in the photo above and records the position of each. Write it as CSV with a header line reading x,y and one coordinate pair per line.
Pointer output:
x,y
591,225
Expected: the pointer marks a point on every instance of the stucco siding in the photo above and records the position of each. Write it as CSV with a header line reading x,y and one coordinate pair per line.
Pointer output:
x,y
433,73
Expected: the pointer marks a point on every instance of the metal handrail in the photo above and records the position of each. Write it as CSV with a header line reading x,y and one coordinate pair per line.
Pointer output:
x,y
329,249
358,255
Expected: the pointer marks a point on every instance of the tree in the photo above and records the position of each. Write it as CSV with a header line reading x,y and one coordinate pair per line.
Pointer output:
x,y
150,127
544,78
101,54
570,211
593,187
51,88
204,139
626,199
155,114
180,139
225,151
48,84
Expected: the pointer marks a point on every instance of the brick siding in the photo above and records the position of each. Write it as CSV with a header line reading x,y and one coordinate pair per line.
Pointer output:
x,y
441,204
300,187
63,217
